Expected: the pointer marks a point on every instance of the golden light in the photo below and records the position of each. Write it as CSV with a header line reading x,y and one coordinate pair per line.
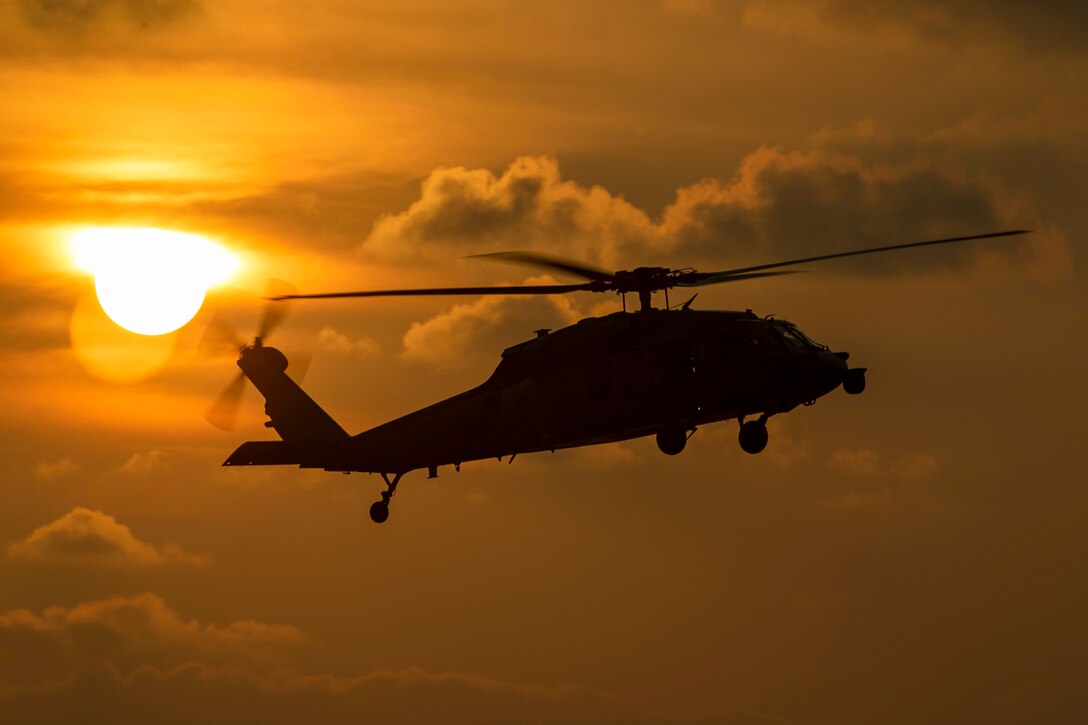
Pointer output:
x,y
150,281
114,354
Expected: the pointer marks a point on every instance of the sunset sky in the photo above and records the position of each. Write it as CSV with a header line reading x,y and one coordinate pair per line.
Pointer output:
x,y
914,554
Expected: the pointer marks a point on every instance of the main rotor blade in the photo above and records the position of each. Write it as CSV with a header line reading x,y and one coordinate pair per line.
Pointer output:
x,y
701,280
856,252
534,289
544,261
223,413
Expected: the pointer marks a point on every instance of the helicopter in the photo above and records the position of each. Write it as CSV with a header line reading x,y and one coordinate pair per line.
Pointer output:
x,y
660,372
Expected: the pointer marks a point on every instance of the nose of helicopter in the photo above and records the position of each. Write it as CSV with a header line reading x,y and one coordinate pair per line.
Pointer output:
x,y
827,371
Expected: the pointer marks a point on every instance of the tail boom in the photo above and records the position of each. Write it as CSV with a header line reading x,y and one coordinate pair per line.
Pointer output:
x,y
310,437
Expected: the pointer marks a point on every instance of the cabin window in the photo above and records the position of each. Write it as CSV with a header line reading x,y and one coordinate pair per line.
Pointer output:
x,y
795,337
740,337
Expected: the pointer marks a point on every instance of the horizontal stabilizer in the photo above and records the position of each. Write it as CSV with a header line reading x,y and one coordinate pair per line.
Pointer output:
x,y
265,453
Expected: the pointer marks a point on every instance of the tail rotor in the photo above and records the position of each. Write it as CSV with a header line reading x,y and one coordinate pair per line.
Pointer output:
x,y
221,337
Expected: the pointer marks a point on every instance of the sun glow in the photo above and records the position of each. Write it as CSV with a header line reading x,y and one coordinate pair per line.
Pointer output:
x,y
150,281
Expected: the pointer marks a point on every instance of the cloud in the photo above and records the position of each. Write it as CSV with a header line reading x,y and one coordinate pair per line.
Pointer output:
x,y
467,211
703,9
79,15
199,692
468,333
1054,122
890,477
34,312
91,537
778,205
866,463
784,204
895,26
55,469
332,340
856,500
128,632
141,464
137,656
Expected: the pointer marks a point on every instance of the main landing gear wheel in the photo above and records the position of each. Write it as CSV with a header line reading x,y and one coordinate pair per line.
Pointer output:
x,y
753,436
379,510
671,439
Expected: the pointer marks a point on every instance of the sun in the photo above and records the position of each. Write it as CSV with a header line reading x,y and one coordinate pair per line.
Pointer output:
x,y
150,281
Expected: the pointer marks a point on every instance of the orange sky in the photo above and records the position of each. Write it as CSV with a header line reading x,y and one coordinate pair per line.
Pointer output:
x,y
915,554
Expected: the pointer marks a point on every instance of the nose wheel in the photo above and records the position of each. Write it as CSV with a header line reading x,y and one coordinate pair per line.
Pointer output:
x,y
854,382
753,434
379,510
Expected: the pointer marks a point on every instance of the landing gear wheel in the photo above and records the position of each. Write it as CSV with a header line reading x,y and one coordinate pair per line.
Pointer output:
x,y
671,439
854,382
379,512
753,436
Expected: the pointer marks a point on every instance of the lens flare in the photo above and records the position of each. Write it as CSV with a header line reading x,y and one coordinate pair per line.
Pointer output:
x,y
112,353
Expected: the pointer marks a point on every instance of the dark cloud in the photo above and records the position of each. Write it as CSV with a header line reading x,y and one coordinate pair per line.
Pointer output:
x,y
92,537
79,15
128,632
779,204
196,692
137,656
1049,27
35,312
333,211
794,204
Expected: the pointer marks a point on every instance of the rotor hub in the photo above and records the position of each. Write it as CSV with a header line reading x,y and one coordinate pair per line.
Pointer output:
x,y
256,357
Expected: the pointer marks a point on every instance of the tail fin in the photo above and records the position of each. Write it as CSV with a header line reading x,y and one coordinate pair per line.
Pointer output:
x,y
310,436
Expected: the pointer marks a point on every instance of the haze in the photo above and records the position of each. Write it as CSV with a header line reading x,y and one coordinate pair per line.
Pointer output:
x,y
915,554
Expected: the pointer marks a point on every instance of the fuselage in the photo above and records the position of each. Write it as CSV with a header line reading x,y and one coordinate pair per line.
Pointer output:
x,y
608,379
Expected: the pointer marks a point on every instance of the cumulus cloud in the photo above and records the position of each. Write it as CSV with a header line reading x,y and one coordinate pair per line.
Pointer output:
x,y
128,632
92,537
141,464
332,340
467,211
137,656
778,205
461,336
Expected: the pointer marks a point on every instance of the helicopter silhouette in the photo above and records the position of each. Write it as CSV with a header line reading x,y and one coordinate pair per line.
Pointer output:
x,y
652,371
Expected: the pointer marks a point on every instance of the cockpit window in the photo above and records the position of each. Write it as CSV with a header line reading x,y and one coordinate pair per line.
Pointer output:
x,y
795,337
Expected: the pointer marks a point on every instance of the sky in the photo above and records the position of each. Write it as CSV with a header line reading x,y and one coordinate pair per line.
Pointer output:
x,y
913,554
